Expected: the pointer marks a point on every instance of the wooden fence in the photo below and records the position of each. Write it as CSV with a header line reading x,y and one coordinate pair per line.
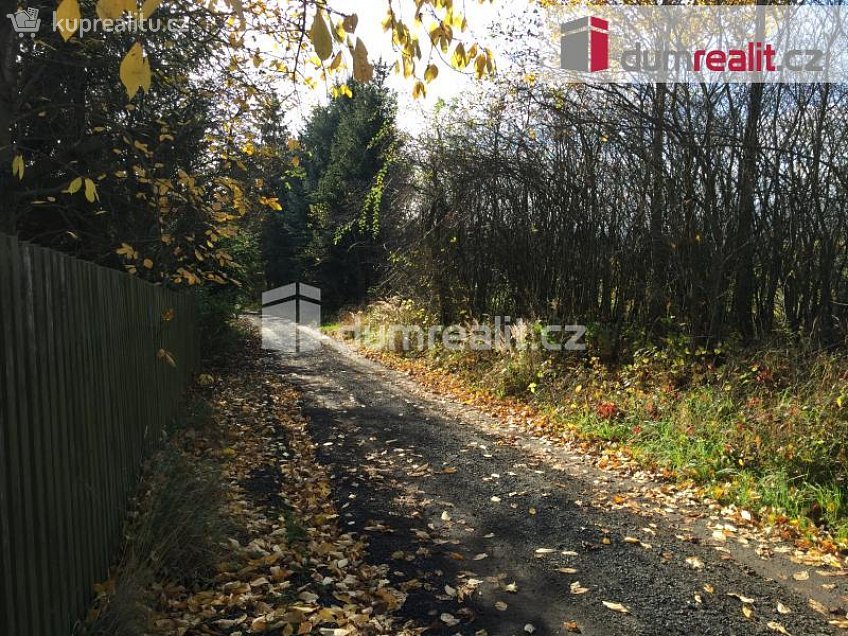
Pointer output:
x,y
84,393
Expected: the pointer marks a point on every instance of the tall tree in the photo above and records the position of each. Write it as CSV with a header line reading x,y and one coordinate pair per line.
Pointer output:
x,y
348,149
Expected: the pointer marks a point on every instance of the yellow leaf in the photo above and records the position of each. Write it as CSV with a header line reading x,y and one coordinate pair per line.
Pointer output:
x,y
431,73
148,264
126,250
74,186
18,166
135,70
337,62
67,18
339,32
419,90
362,69
271,202
459,59
91,191
344,91
320,36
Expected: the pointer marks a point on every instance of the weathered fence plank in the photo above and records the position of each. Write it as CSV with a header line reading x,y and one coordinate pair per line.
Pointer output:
x,y
83,396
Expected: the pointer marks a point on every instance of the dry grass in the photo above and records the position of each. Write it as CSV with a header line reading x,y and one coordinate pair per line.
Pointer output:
x,y
175,534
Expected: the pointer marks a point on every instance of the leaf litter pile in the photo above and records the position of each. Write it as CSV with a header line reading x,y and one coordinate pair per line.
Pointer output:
x,y
290,568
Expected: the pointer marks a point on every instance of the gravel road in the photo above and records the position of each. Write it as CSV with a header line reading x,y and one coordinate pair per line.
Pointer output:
x,y
458,508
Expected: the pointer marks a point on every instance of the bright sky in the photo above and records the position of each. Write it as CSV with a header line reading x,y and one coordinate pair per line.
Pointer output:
x,y
450,83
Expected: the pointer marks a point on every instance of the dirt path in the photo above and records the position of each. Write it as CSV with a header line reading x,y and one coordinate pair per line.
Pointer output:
x,y
461,511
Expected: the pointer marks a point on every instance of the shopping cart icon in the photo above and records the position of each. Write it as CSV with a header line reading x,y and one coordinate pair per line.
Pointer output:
x,y
25,21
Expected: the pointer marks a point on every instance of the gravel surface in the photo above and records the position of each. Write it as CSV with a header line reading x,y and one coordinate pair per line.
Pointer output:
x,y
457,509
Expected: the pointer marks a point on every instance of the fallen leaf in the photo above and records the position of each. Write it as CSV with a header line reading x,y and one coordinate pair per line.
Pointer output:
x,y
576,588
616,607
782,609
832,572
777,627
695,563
501,606
744,599
449,619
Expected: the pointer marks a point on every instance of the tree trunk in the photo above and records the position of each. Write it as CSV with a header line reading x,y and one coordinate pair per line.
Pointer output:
x,y
743,293
659,258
